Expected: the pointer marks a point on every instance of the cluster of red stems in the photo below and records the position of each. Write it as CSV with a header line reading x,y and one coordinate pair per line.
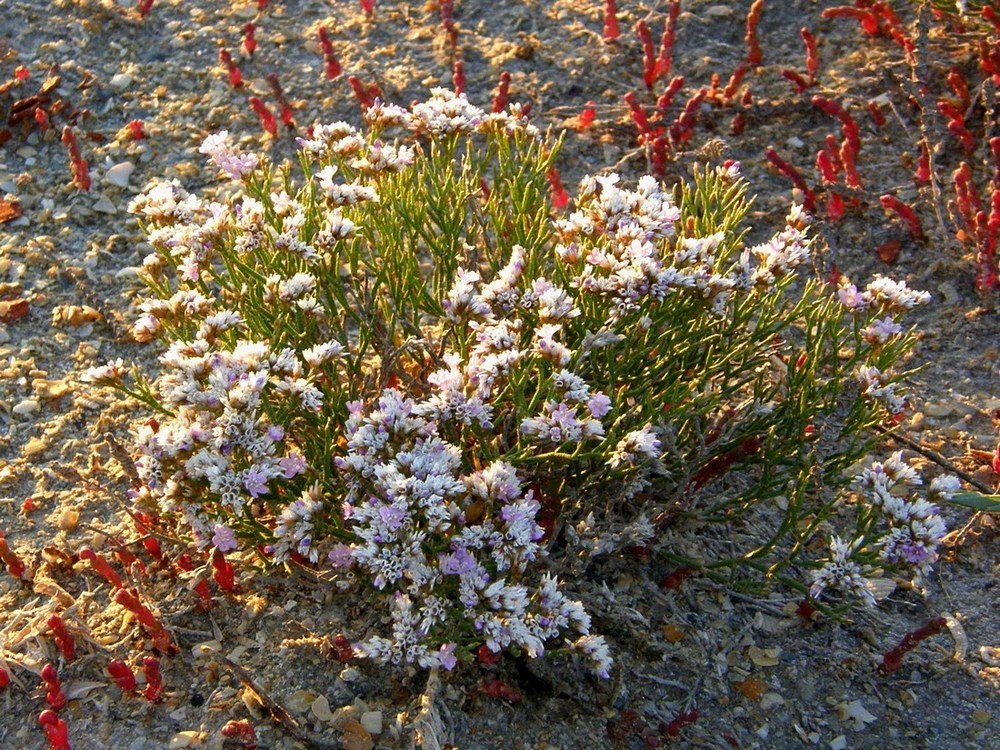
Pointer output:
x,y
120,672
366,94
631,724
977,218
37,110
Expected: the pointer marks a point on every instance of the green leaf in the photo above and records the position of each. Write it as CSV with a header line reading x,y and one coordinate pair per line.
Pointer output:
x,y
977,501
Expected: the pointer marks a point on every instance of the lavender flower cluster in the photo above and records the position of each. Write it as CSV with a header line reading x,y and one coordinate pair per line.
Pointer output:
x,y
273,433
448,544
908,538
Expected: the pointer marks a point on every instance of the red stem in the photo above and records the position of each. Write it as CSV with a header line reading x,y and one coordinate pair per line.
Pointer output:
x,y
500,99
754,55
611,29
809,199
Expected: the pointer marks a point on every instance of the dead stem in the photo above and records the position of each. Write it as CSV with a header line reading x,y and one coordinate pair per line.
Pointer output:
x,y
278,712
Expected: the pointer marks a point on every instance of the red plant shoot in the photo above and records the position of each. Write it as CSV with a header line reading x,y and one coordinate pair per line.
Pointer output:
x,y
152,546
157,633
809,200
128,559
343,651
14,565
848,156
81,174
4,678
42,118
754,54
800,83
185,563
330,62
101,566
285,111
144,6
875,110
659,156
502,95
55,730
62,637
729,93
365,96
681,721
648,53
235,76
222,572
368,7
866,18
154,681
638,114
664,61
683,127
267,120
995,151
249,42
893,659
21,74
825,166
559,196
894,28
500,690
834,205
674,579
486,656
458,77
447,9
611,29
135,130
960,87
812,57
122,675
738,124
667,97
923,174
240,731
906,213
53,688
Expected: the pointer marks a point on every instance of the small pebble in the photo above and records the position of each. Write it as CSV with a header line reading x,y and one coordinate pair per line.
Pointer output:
x,y
105,206
372,721
26,407
121,81
719,11
68,519
119,174
300,701
321,708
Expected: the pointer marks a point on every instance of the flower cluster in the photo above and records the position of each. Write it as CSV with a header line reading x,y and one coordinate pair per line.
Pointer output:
x,y
447,543
382,368
904,533
915,527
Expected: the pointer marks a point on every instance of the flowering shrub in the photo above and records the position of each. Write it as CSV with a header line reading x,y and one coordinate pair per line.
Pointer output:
x,y
397,367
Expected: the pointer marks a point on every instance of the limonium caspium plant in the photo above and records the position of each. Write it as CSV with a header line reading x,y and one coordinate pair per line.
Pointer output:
x,y
392,363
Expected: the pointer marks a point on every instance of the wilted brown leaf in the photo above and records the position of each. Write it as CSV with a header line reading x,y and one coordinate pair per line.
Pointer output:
x,y
752,688
9,210
672,633
13,309
889,251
